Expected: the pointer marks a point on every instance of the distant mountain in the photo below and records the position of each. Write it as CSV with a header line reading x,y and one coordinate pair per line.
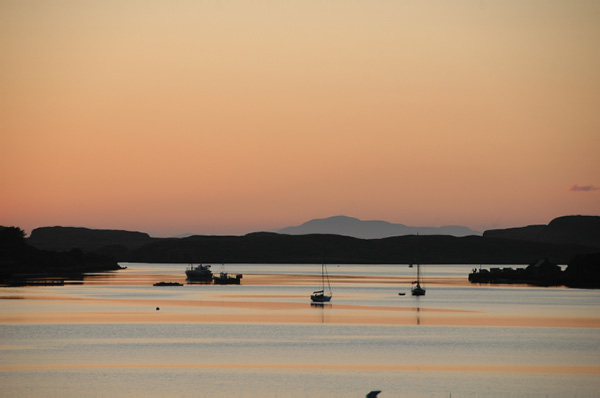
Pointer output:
x,y
373,229
580,230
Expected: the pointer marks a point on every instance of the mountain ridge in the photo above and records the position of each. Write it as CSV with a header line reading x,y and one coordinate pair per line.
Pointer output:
x,y
568,236
370,229
582,230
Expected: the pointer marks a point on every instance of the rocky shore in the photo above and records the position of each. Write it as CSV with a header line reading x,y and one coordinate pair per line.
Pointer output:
x,y
582,271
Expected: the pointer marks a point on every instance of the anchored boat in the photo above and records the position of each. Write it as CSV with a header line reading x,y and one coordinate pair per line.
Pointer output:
x,y
225,279
200,273
417,290
319,296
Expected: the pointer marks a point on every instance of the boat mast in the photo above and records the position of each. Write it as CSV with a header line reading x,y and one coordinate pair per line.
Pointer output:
x,y
328,284
323,277
418,263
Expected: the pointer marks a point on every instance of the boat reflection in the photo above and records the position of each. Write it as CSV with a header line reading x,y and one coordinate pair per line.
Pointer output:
x,y
322,307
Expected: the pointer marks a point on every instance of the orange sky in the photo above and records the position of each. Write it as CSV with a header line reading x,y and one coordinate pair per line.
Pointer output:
x,y
219,117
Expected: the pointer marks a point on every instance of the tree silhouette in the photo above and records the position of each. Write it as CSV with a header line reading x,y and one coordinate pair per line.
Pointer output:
x,y
12,238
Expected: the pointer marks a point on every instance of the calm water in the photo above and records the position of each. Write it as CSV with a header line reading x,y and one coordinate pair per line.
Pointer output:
x,y
104,337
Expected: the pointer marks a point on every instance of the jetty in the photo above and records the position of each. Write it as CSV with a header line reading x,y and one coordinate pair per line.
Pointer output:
x,y
35,282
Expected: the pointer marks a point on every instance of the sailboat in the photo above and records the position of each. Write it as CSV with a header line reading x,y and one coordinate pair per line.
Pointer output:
x,y
319,296
417,290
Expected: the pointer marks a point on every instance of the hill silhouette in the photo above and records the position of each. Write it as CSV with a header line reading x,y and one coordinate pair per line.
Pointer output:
x,y
371,229
60,250
66,238
19,260
278,248
513,246
581,230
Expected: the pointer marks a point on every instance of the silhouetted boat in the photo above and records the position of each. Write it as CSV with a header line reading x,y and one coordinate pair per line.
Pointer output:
x,y
319,296
225,279
200,273
417,290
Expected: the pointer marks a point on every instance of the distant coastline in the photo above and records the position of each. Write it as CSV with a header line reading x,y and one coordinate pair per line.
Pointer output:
x,y
561,241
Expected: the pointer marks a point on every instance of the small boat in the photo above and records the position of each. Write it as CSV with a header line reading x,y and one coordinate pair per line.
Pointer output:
x,y
417,290
200,273
319,296
168,284
225,279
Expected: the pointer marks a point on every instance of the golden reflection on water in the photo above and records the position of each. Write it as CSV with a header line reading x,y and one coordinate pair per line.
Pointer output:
x,y
112,279
231,330
230,307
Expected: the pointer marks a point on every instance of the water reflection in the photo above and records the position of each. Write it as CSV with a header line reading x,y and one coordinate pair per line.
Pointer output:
x,y
321,308
261,339
321,305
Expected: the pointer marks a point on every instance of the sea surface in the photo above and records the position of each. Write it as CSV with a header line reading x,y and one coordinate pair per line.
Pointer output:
x,y
114,334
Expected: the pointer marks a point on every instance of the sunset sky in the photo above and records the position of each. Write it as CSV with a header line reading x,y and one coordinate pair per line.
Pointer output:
x,y
228,117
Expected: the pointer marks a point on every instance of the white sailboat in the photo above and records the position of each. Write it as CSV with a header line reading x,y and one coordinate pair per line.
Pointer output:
x,y
319,296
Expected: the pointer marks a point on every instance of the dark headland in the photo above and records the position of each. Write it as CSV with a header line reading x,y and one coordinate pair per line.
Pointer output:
x,y
20,261
561,241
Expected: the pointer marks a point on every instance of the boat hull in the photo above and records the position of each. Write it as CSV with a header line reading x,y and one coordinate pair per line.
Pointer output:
x,y
320,298
201,273
194,276
227,280
418,291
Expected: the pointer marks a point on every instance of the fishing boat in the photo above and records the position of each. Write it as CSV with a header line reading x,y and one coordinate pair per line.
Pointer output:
x,y
417,290
200,273
319,296
225,279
